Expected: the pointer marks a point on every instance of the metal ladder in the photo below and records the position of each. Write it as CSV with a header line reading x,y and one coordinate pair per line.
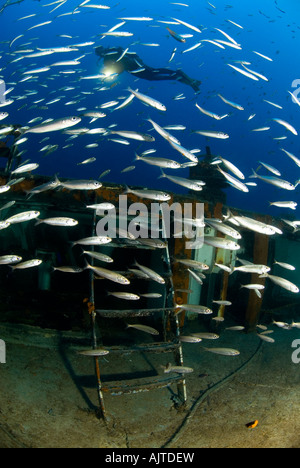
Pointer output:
x,y
170,326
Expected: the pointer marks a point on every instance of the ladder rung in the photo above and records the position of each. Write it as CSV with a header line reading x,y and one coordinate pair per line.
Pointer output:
x,y
160,347
141,385
131,313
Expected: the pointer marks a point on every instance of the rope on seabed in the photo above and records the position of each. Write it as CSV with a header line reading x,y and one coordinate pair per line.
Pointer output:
x,y
12,437
203,396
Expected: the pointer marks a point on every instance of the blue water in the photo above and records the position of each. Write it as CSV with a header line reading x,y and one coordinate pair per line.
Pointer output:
x,y
266,29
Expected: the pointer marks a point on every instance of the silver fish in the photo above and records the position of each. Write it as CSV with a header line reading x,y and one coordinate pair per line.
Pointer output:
x,y
228,230
192,263
268,339
102,206
4,225
140,274
221,243
211,114
255,225
292,156
284,325
5,130
95,114
117,34
263,56
39,25
271,168
287,266
99,256
253,286
273,104
274,181
232,168
133,135
66,269
187,25
4,188
243,72
223,351
87,161
21,217
190,339
125,295
286,125
81,185
227,36
148,100
55,125
151,274
28,264
198,309
8,259
177,369
36,71
207,336
149,194
108,274
195,276
224,267
162,132
259,75
96,240
233,181
283,283
195,185
44,187
94,352
125,103
143,328
151,295
160,162
285,204
258,269
223,303
186,153
59,221
230,103
212,134
154,243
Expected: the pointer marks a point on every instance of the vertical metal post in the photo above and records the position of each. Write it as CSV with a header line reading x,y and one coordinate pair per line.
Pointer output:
x,y
181,387
92,311
224,290
260,256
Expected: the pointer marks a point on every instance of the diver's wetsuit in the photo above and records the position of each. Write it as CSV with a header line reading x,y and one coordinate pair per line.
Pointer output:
x,y
134,65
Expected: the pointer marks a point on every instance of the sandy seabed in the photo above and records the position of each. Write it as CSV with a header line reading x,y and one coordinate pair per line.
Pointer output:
x,y
48,396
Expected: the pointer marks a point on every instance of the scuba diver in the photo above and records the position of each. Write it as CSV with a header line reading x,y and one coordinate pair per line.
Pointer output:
x,y
118,60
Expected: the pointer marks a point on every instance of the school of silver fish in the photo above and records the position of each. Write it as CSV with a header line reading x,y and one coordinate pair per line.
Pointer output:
x,y
33,67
